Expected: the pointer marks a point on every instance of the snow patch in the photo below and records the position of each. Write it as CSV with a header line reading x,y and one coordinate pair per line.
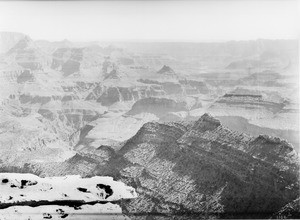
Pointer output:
x,y
15,188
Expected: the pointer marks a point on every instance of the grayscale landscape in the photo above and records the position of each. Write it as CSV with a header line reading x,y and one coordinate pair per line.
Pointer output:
x,y
148,129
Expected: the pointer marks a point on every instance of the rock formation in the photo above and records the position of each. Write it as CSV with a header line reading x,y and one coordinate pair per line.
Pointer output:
x,y
166,70
202,168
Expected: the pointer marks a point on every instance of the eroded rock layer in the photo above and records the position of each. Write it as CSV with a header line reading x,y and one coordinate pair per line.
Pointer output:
x,y
202,168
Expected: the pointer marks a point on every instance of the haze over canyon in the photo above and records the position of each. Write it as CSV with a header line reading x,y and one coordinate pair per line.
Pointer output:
x,y
148,130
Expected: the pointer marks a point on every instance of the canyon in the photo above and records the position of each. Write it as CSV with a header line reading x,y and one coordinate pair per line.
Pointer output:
x,y
195,130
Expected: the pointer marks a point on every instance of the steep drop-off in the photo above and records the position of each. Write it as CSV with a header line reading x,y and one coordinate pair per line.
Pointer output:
x,y
202,169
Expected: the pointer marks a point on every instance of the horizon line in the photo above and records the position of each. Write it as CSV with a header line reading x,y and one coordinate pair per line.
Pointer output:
x,y
149,40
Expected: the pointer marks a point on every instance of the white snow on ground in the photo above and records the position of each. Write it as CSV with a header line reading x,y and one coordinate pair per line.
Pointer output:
x,y
60,188
90,212
16,188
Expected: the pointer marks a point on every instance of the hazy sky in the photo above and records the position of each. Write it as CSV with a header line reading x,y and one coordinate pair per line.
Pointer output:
x,y
216,20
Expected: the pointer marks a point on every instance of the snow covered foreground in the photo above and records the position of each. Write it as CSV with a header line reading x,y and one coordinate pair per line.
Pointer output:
x,y
26,196
107,211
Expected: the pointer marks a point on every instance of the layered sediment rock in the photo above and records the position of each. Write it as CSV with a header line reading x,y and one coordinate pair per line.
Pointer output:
x,y
110,95
205,169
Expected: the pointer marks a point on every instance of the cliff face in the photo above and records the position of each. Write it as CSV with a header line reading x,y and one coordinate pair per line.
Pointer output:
x,y
241,124
258,111
27,55
39,124
202,167
108,95
251,101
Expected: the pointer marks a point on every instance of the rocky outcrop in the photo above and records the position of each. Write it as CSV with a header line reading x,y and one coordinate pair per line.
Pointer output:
x,y
274,150
21,45
251,100
110,95
237,123
73,118
189,87
166,70
203,169
44,99
27,55
289,211
206,123
198,169
83,163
